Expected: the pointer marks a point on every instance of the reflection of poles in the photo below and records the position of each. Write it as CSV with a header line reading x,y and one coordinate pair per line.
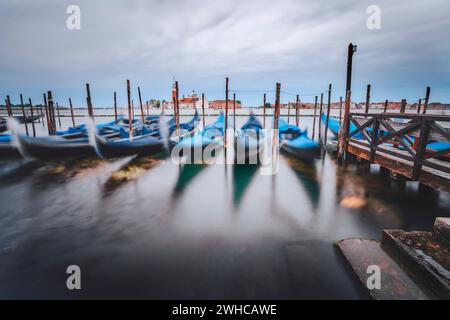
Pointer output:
x,y
24,115
314,120
32,117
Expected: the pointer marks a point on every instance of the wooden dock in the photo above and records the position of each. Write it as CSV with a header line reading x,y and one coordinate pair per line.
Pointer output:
x,y
400,143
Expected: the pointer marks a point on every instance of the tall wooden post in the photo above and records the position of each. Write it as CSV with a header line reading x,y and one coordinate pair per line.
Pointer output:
x,y
226,109
203,109
177,102
367,99
427,99
47,114
8,106
130,120
32,117
52,128
351,51
71,112
345,127
340,111
320,117
59,117
314,120
403,106
115,106
89,102
234,112
419,106
148,108
386,104
264,111
289,113
24,115
328,113
277,106
297,111
140,103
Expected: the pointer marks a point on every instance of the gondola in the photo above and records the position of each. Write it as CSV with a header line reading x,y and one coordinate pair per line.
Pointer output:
x,y
3,125
211,137
296,142
249,142
83,128
146,140
74,145
71,143
334,126
27,119
7,149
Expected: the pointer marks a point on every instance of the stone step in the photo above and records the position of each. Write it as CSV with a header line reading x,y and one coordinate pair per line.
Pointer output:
x,y
395,284
441,230
423,257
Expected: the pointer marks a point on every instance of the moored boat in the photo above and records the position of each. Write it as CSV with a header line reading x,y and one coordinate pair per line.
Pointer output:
x,y
7,148
249,142
296,142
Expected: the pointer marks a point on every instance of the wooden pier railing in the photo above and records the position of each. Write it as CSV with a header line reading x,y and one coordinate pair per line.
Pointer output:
x,y
401,143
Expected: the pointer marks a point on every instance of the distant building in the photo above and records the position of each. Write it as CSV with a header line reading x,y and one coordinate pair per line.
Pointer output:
x,y
221,104
190,102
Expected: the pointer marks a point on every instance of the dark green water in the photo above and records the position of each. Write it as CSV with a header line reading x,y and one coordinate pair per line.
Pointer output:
x,y
147,228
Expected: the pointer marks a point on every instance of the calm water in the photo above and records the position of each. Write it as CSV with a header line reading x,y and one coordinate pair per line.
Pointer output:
x,y
146,228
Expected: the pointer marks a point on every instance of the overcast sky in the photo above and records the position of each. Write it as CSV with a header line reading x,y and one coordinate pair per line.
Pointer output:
x,y
256,43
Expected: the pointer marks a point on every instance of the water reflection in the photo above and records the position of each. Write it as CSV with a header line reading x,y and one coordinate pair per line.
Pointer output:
x,y
242,177
187,172
307,175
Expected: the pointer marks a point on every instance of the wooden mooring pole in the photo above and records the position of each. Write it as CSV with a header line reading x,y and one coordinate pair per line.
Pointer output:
x,y
89,102
289,113
51,110
276,118
32,117
24,115
403,106
367,106
234,112
46,114
140,104
419,106
177,103
340,111
386,104
148,107
203,109
59,117
115,106
314,120
345,128
297,110
8,106
427,99
320,117
71,112
226,109
130,120
264,111
328,114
